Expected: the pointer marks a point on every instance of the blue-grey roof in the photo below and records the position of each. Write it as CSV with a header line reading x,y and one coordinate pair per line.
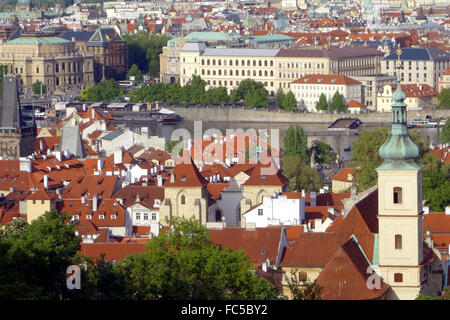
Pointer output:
x,y
71,141
78,35
112,135
426,54
237,52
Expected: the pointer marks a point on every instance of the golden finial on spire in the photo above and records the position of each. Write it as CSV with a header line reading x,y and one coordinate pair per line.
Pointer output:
x,y
399,53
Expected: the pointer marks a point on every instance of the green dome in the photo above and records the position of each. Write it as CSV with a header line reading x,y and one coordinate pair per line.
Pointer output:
x,y
399,95
399,148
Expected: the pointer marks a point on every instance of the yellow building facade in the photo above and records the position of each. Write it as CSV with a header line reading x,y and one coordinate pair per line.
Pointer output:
x,y
52,60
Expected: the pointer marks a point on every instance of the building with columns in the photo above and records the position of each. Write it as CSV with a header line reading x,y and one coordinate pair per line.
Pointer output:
x,y
52,60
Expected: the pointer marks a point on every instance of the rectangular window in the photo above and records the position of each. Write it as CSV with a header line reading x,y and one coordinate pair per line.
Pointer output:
x,y
398,242
145,216
153,216
398,277
260,212
138,216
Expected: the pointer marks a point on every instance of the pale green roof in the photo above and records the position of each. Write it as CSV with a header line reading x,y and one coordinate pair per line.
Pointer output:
x,y
273,38
207,36
42,40
23,15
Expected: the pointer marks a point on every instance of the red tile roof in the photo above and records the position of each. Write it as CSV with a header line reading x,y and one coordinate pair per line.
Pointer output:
x,y
259,244
112,251
345,276
330,79
343,175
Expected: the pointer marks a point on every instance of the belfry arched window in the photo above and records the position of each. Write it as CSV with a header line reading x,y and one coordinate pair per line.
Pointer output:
x,y
398,242
398,195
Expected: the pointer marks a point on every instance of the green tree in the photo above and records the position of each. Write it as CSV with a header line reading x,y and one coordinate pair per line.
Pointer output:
x,y
365,158
34,257
136,73
279,97
195,89
39,88
445,133
301,288
296,143
300,175
337,103
444,98
323,152
322,104
106,90
184,264
289,102
251,92
144,49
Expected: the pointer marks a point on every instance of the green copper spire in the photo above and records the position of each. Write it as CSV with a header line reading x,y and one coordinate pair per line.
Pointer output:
x,y
399,151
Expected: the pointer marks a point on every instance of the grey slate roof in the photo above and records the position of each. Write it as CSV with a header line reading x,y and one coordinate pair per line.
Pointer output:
x,y
333,52
78,35
193,46
425,53
112,135
71,141
236,52
10,113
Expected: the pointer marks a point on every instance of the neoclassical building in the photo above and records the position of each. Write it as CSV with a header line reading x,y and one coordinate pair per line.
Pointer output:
x,y
52,60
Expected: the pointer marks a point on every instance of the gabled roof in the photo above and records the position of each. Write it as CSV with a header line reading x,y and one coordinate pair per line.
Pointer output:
x,y
266,175
330,79
424,53
186,174
345,276
259,244
112,251
41,195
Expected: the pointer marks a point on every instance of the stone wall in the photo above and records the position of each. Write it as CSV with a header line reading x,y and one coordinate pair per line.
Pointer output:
x,y
250,115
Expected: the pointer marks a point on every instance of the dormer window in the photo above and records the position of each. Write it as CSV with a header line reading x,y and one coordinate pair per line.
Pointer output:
x,y
89,217
101,217
397,195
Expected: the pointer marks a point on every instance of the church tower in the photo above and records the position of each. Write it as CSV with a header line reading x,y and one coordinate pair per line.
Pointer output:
x,y
400,214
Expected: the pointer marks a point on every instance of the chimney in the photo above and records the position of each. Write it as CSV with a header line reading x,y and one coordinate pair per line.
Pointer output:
x,y
46,182
161,168
99,165
58,156
313,199
172,178
83,200
159,179
447,211
117,156
426,210
303,193
93,113
41,145
94,203
25,164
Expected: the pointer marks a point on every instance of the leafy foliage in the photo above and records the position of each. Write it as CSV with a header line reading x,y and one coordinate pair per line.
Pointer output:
x,y
301,288
322,104
136,73
323,152
300,175
444,98
106,90
144,49
365,158
183,263
39,88
279,97
34,257
289,102
251,92
445,133
296,143
337,103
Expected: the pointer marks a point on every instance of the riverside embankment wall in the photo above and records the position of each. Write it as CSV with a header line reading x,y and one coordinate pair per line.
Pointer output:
x,y
226,114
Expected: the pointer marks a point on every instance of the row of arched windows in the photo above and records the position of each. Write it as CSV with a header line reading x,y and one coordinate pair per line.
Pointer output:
x,y
248,63
255,73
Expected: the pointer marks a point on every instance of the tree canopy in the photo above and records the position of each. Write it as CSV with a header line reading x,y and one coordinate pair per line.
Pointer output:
x,y
106,90
289,102
34,257
365,159
183,263
279,97
144,49
300,175
444,98
337,103
251,92
445,133
296,143
322,104
136,73
39,88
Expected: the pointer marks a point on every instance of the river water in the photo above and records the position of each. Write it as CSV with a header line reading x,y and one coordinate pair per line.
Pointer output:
x,y
339,143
